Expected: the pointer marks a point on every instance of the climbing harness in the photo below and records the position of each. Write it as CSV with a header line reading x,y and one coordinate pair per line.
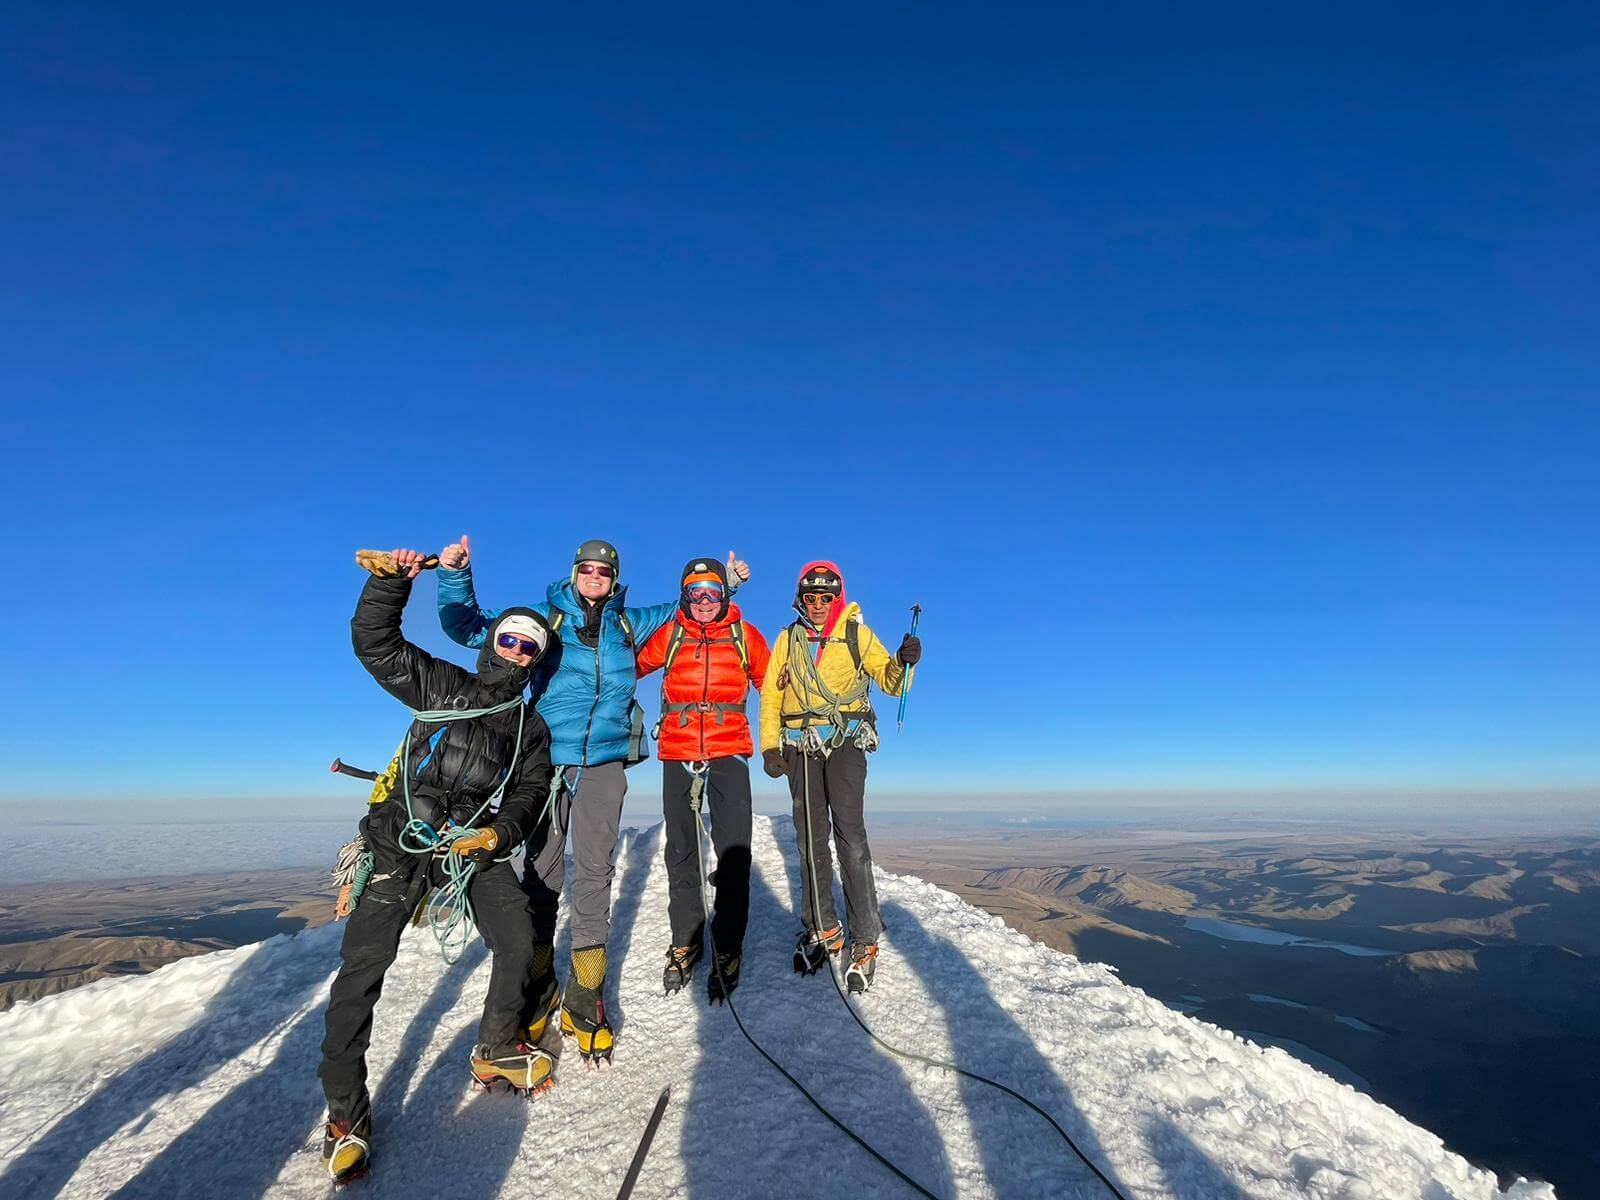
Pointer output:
x,y
811,871
697,790
831,719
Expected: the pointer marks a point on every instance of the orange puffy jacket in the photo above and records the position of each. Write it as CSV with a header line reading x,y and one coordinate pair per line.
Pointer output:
x,y
705,687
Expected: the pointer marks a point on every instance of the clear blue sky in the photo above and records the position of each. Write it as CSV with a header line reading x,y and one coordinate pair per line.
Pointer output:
x,y
1221,379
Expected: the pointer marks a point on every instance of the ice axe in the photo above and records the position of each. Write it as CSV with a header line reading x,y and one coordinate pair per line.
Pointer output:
x,y
382,564
344,768
905,680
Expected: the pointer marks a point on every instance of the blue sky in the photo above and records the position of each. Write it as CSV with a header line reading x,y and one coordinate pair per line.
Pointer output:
x,y
1221,381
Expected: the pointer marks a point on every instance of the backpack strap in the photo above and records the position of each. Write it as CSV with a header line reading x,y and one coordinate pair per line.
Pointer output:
x,y
627,628
852,638
674,643
555,620
737,632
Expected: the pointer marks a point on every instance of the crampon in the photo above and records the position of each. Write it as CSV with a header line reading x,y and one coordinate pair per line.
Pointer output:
x,y
525,1070
812,949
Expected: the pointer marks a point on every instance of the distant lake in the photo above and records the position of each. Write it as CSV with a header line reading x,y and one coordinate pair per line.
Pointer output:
x,y
1228,931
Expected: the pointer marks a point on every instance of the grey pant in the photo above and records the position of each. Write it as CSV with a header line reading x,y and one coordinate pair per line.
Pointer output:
x,y
592,815
838,788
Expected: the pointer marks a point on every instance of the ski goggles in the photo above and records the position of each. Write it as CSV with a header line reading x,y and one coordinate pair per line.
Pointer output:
x,y
599,569
818,597
510,641
702,593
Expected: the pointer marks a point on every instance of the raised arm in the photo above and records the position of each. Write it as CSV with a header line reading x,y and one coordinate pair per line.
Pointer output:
x,y
406,671
652,654
459,614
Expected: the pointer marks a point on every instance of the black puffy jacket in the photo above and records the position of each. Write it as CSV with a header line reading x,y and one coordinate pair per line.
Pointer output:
x,y
456,765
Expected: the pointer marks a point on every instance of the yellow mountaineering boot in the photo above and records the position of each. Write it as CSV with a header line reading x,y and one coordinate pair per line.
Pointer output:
x,y
583,1008
525,1068
544,996
345,1150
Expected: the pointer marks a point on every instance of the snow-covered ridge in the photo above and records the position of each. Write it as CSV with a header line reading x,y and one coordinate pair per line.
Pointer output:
x,y
199,1079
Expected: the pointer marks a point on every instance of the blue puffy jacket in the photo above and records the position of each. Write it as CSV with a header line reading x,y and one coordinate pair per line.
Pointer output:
x,y
585,694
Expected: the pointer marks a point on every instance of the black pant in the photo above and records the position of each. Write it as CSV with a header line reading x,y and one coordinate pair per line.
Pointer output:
x,y
372,938
838,789
727,799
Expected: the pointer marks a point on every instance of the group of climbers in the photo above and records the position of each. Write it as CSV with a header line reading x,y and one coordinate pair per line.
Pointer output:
x,y
580,653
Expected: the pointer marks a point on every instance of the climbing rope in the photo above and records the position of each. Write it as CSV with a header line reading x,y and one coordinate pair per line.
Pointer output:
x,y
816,908
448,910
697,789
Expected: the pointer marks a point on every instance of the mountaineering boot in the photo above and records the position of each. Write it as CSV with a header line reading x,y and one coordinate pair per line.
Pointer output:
x,y
811,950
544,996
681,962
863,964
583,1008
724,977
345,1152
525,1068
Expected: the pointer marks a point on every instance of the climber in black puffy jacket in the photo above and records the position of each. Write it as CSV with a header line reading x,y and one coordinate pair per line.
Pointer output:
x,y
452,769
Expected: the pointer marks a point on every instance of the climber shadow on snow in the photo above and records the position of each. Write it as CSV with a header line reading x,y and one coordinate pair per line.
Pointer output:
x,y
391,1088
1189,1172
260,995
1022,1156
634,859
743,1121
448,1140
268,1116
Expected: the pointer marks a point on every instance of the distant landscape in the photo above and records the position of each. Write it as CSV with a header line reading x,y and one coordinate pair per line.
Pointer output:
x,y
1456,980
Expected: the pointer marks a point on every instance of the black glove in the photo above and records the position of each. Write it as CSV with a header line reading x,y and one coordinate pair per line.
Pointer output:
x,y
772,763
910,651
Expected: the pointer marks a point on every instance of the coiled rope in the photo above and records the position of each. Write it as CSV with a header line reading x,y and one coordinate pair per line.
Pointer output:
x,y
448,911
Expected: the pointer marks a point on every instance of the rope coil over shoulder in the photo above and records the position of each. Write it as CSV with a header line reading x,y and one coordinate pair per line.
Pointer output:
x,y
448,911
846,715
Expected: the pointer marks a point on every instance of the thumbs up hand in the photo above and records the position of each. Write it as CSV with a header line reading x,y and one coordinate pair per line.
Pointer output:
x,y
456,555
738,569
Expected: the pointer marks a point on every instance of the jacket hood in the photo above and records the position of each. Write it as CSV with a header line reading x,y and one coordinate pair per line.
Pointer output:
x,y
498,680
836,609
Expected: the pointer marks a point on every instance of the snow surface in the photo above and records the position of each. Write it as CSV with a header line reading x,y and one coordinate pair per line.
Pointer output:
x,y
199,1079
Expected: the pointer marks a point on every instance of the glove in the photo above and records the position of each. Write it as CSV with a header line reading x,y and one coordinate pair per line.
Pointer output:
x,y
380,562
772,763
479,845
910,652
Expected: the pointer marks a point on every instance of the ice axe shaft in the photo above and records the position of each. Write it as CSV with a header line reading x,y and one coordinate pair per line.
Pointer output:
x,y
344,768
644,1145
905,680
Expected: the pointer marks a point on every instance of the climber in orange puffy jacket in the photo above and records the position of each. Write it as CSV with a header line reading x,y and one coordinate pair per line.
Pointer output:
x,y
710,656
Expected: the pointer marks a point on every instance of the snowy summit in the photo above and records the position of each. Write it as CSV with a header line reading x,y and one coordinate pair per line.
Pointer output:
x,y
199,1079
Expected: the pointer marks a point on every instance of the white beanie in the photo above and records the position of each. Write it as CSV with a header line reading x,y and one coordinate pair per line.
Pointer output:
x,y
524,627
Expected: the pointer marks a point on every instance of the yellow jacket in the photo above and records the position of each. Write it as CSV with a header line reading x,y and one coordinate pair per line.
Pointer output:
x,y
787,702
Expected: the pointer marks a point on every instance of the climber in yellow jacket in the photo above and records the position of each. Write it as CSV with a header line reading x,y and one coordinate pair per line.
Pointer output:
x,y
817,727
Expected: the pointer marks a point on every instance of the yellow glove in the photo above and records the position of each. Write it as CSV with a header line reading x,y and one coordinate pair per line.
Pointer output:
x,y
380,562
479,845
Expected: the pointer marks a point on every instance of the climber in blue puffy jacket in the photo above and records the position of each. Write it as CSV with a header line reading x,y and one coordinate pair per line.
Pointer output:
x,y
584,688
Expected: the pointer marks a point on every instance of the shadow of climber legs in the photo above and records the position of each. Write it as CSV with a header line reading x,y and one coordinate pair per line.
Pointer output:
x,y
1022,1156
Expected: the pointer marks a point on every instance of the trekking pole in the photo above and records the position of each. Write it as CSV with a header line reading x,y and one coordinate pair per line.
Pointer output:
x,y
905,680
644,1145
344,768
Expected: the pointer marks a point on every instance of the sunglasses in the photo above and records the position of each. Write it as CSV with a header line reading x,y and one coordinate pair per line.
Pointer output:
x,y
510,641
818,598
700,595
599,569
